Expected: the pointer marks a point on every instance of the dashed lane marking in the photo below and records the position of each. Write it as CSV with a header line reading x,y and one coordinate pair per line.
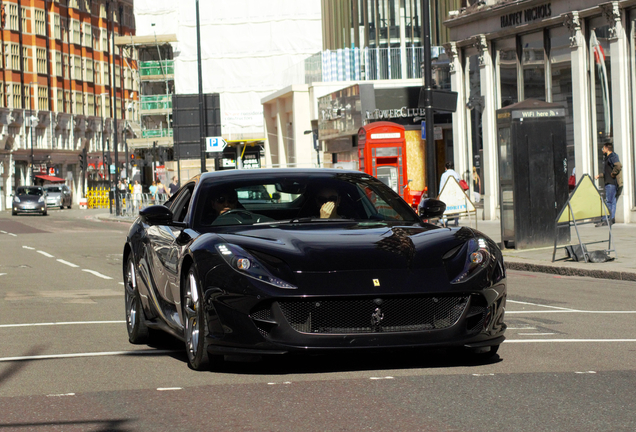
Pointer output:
x,y
11,234
568,311
61,395
28,247
67,263
93,354
93,272
60,323
46,254
169,388
541,305
3,232
534,334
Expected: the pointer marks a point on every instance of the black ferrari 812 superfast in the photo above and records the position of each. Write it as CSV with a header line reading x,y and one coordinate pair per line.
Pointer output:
x,y
255,262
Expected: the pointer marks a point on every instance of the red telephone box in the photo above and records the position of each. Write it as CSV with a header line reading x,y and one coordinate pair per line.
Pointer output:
x,y
382,154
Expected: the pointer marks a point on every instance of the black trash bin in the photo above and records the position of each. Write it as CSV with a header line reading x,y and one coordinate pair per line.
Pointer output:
x,y
533,173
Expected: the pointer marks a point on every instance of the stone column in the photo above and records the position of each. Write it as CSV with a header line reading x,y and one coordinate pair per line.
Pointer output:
x,y
281,132
584,156
490,172
461,155
620,103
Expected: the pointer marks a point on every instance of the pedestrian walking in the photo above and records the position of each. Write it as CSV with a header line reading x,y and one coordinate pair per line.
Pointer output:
x,y
161,191
476,186
448,172
613,181
174,186
137,192
153,191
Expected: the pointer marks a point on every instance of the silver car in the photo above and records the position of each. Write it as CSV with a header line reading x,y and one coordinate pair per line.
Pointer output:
x,y
58,196
29,199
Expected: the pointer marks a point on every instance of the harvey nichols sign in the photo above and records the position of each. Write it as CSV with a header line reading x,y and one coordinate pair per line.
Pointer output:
x,y
527,15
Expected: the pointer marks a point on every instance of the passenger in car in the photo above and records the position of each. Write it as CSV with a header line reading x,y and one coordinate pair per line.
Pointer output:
x,y
224,201
328,201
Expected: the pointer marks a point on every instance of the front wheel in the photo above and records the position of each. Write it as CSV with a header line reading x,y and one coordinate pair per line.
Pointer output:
x,y
135,319
196,325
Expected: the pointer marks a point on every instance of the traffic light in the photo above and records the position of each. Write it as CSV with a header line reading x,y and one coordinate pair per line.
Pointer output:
x,y
80,157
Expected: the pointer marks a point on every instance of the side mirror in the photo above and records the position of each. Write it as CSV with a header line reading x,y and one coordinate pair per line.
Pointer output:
x,y
431,208
156,215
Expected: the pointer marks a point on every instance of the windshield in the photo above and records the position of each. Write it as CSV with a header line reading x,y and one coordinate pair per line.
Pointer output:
x,y
54,189
29,191
298,198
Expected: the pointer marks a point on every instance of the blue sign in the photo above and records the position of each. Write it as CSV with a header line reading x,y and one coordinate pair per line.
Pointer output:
x,y
423,129
215,144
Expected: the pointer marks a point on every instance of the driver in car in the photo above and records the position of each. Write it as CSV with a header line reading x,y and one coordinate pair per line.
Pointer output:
x,y
328,201
225,201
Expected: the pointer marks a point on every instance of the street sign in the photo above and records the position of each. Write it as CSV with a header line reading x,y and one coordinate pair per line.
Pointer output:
x,y
215,144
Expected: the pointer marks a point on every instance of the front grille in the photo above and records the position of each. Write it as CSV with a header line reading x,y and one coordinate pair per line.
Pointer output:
x,y
373,314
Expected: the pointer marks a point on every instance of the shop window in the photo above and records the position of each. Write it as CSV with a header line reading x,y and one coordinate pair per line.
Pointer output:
x,y
533,63
506,52
561,82
475,106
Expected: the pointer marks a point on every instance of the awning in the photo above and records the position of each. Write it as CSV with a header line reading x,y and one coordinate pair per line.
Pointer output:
x,y
50,178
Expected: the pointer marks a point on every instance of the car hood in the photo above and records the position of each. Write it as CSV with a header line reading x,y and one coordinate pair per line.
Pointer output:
x,y
53,194
350,248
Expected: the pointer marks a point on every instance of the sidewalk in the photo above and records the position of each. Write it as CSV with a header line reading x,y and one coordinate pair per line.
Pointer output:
x,y
540,260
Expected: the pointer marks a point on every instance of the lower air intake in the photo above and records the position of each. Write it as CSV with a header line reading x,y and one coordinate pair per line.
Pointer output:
x,y
373,314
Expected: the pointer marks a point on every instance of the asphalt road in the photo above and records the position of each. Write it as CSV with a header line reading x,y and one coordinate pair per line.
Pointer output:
x,y
569,363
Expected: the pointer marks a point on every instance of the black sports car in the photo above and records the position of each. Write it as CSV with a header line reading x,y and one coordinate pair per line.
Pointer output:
x,y
321,260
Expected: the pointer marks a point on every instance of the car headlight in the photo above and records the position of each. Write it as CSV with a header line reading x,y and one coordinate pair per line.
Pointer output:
x,y
41,199
16,199
243,262
478,257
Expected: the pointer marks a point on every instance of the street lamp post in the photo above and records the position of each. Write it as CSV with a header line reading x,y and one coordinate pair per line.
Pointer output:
x,y
33,122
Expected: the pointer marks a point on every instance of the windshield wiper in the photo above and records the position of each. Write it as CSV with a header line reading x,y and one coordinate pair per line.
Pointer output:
x,y
302,220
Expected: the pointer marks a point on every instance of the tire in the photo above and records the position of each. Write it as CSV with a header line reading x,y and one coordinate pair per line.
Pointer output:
x,y
14,213
135,319
44,213
196,326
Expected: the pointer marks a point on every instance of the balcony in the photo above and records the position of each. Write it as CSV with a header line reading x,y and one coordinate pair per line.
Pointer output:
x,y
156,70
156,104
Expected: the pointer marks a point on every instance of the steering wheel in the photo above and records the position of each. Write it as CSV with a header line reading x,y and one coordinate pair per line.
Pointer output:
x,y
237,211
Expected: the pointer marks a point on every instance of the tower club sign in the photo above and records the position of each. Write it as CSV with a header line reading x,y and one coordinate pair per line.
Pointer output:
x,y
526,16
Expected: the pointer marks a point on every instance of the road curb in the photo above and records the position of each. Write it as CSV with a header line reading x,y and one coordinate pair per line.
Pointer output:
x,y
570,271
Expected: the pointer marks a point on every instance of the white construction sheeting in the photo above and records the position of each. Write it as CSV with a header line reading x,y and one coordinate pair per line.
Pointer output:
x,y
247,48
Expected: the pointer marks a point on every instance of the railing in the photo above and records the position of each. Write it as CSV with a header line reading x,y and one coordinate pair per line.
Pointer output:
x,y
154,102
156,133
131,203
154,68
356,64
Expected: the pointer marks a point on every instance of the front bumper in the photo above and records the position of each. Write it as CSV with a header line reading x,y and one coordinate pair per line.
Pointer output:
x,y
29,208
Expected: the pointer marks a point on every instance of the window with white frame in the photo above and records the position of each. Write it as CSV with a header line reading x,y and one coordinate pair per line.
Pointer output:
x,y
1,95
66,67
57,32
26,57
89,70
77,68
79,103
43,98
27,97
90,101
16,96
75,31
12,56
58,63
12,16
98,73
95,35
67,101
24,21
106,76
64,27
88,35
107,106
41,60
60,101
117,76
104,39
40,23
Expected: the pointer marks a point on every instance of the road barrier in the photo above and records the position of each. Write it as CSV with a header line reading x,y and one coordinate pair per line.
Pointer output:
x,y
130,204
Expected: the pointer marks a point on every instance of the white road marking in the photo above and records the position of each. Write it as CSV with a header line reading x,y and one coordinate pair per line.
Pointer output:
x,y
586,372
567,340
541,305
484,374
534,334
11,234
93,354
67,263
60,323
169,388
3,232
2,274
121,283
568,311
381,378
61,395
28,247
521,328
46,254
93,272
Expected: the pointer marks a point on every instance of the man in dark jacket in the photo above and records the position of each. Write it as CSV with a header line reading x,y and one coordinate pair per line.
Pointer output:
x,y
613,179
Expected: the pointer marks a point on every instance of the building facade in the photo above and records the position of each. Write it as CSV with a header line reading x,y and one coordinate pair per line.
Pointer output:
x,y
581,55
62,84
